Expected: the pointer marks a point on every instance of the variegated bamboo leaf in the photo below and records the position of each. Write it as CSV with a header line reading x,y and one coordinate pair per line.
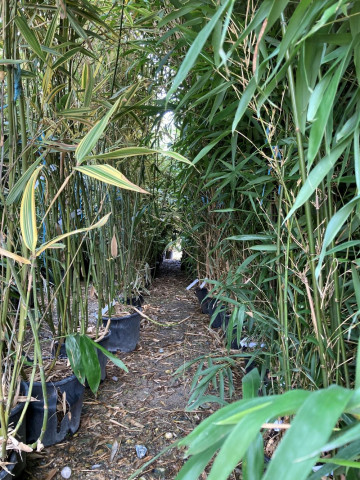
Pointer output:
x,y
108,174
28,213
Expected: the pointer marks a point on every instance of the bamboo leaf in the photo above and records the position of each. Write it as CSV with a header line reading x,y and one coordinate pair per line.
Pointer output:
x,y
334,225
325,109
72,345
195,49
57,239
109,175
14,256
90,362
28,213
322,410
244,102
137,151
316,176
64,58
18,188
29,37
92,137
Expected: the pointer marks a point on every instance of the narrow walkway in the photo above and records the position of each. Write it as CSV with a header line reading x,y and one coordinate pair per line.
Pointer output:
x,y
145,406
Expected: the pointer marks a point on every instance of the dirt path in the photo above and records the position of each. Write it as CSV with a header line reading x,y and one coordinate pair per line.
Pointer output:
x,y
145,406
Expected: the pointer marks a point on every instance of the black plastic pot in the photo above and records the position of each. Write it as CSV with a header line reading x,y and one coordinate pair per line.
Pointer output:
x,y
56,430
125,332
18,462
135,301
201,293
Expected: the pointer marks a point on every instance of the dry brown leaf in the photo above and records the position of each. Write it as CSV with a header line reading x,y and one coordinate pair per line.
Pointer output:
x,y
114,247
51,474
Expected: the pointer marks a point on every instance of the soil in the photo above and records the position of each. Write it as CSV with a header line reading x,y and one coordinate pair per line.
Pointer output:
x,y
147,405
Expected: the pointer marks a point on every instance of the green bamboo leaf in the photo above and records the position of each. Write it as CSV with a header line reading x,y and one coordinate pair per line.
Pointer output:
x,y
92,137
334,225
19,187
10,61
316,176
28,213
90,362
325,109
195,465
244,102
357,157
356,283
253,463
109,175
72,345
64,58
196,47
55,241
309,431
246,429
29,37
247,238
116,361
14,256
251,384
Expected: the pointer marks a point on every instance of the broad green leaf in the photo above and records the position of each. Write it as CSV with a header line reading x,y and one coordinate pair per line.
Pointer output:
x,y
116,361
72,345
309,431
196,464
357,157
109,175
29,37
91,138
325,110
251,384
54,243
246,428
334,225
14,256
253,463
90,362
18,188
316,176
28,213
356,283
196,48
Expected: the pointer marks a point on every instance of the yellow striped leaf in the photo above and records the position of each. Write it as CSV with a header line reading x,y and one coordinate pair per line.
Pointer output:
x,y
15,257
28,213
54,243
109,174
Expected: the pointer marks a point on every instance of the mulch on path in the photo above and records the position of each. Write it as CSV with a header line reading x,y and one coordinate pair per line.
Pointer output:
x,y
147,405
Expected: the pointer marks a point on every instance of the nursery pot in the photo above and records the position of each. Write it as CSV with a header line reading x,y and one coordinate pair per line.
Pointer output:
x,y
56,429
201,293
18,462
125,332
